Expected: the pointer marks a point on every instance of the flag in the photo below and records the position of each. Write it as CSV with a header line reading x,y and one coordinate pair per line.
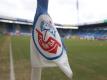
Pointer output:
x,y
46,43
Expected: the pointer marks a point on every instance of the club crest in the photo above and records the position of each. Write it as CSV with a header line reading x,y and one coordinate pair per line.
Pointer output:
x,y
46,38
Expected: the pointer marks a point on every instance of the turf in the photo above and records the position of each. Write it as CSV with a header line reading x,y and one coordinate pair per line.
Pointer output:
x,y
88,60
4,58
21,57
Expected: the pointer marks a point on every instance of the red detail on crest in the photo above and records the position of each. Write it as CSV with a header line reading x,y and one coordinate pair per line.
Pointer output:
x,y
51,45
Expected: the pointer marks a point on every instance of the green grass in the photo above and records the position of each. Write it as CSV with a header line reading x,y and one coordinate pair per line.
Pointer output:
x,y
21,56
88,60
4,58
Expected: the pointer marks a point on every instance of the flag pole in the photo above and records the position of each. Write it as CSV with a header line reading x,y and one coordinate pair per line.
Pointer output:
x,y
36,73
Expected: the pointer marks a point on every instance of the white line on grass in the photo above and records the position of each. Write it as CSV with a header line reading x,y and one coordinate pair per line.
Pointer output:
x,y
12,73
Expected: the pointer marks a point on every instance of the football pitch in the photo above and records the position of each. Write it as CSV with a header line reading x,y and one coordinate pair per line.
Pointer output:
x,y
88,59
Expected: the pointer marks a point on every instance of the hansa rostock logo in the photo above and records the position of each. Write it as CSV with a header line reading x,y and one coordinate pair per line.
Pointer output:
x,y
47,39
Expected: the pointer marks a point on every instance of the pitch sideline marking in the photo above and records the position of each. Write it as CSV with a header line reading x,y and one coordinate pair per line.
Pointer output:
x,y
12,73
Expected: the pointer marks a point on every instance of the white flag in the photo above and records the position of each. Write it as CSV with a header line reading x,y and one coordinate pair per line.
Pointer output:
x,y
46,43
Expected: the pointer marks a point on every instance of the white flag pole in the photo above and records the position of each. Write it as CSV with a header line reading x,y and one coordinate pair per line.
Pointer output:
x,y
36,73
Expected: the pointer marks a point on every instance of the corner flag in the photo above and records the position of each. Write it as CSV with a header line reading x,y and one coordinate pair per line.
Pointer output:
x,y
46,43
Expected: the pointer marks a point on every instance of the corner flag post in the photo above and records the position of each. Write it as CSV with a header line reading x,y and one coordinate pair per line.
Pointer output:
x,y
47,49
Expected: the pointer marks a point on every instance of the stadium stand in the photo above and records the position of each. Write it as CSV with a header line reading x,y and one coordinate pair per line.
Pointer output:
x,y
95,31
65,33
92,32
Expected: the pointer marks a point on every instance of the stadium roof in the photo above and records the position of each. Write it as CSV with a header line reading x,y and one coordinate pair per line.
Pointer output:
x,y
26,22
14,20
74,12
